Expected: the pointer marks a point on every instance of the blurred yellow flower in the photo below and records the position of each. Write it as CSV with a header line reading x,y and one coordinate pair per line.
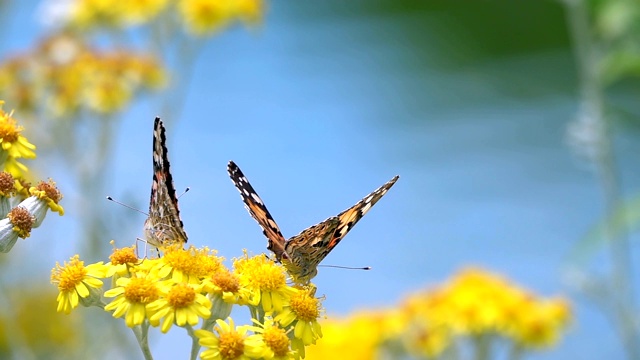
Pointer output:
x,y
204,17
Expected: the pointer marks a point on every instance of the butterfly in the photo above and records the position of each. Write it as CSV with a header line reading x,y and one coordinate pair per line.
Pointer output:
x,y
163,227
302,253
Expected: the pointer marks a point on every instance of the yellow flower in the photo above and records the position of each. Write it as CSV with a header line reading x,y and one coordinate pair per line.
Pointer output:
x,y
226,284
77,282
139,11
181,304
272,340
11,139
540,324
266,280
227,342
131,297
303,311
203,17
187,265
250,11
44,195
121,261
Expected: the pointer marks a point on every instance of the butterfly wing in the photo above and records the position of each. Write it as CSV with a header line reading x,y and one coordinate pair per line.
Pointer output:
x,y
312,245
258,211
163,226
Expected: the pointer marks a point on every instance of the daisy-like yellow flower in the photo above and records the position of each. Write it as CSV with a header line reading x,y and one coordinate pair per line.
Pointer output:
x,y
121,261
18,223
11,139
77,282
187,265
228,342
225,284
44,196
181,304
303,311
266,280
272,340
132,296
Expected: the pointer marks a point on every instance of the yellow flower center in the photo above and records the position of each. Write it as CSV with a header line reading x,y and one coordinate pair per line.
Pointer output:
x,y
22,221
181,295
231,345
277,340
9,130
140,290
123,256
304,306
70,275
7,182
226,281
261,273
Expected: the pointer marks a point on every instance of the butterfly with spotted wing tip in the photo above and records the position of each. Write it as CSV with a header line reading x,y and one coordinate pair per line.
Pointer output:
x,y
302,253
163,227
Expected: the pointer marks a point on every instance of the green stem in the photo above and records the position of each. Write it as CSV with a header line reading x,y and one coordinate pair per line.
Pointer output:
x,y
588,61
142,335
195,343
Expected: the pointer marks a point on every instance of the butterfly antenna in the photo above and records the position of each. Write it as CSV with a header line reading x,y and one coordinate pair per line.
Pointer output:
x,y
184,192
346,267
127,206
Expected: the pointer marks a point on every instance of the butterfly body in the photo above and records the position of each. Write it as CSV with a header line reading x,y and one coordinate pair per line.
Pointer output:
x,y
302,253
163,227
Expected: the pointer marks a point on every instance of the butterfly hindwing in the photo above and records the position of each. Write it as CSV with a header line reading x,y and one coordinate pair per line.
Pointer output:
x,y
258,211
163,226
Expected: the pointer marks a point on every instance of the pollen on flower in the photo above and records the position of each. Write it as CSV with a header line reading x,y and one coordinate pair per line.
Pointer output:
x,y
189,262
231,345
261,273
141,290
69,275
49,193
22,221
277,340
226,281
181,295
9,129
123,256
306,307
49,190
7,184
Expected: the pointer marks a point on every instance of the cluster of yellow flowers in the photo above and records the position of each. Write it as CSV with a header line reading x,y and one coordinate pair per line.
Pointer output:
x,y
185,286
475,305
68,76
199,17
22,206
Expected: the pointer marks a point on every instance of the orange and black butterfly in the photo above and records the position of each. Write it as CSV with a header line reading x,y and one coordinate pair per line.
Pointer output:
x,y
163,227
302,253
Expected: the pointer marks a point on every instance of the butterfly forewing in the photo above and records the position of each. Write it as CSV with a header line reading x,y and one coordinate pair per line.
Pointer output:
x,y
163,226
302,253
258,211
